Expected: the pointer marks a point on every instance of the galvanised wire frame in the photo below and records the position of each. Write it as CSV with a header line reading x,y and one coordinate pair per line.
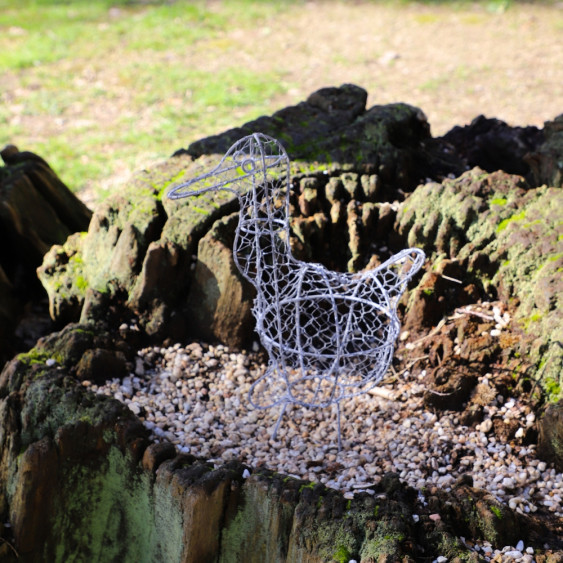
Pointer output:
x,y
329,335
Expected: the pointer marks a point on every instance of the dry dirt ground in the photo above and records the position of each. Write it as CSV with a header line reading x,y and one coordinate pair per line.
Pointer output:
x,y
454,63
452,60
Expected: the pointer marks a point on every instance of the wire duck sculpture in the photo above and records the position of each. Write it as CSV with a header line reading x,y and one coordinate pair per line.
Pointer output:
x,y
329,335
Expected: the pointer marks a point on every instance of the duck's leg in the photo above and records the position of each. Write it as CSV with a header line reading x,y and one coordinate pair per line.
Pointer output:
x,y
338,426
278,422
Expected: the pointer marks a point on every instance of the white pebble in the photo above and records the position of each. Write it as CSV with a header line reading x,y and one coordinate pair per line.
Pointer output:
x,y
508,483
206,412
486,425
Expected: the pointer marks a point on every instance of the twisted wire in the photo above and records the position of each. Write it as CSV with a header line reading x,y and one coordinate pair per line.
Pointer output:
x,y
329,335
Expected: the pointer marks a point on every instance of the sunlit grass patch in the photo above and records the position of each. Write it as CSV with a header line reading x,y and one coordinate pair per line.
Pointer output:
x,y
101,84
101,88
31,34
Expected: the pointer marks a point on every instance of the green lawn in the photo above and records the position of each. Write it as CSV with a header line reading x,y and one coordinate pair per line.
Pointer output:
x,y
101,87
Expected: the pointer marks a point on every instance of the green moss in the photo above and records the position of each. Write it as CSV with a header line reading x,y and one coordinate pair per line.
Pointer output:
x,y
308,167
329,534
85,331
385,542
531,224
68,280
249,532
53,401
452,548
162,187
200,210
105,513
142,211
86,418
499,201
81,283
496,511
533,318
342,554
34,357
306,486
553,389
76,260
503,224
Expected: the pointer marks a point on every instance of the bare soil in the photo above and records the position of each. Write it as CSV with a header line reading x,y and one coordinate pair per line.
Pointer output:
x,y
453,63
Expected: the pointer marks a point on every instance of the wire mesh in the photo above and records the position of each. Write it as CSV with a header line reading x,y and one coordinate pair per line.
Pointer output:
x,y
329,335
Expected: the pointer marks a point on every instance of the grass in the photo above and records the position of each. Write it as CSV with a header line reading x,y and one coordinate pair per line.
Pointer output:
x,y
132,71
101,88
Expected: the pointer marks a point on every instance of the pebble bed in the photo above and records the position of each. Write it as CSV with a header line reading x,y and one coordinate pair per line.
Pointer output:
x,y
195,396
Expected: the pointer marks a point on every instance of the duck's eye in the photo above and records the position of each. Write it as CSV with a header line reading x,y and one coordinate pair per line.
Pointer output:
x,y
248,165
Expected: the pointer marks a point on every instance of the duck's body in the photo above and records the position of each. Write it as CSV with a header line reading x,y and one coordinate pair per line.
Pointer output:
x,y
329,335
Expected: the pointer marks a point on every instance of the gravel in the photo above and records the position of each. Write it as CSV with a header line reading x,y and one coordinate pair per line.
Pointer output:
x,y
195,396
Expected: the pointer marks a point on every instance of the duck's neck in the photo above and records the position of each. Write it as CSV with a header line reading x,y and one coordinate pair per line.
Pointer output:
x,y
262,240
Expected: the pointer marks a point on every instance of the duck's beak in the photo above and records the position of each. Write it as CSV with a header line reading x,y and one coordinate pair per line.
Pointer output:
x,y
222,177
245,159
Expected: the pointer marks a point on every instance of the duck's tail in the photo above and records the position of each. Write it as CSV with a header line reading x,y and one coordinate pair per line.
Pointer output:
x,y
395,273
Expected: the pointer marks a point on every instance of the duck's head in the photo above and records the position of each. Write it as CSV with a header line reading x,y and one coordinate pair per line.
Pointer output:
x,y
248,162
